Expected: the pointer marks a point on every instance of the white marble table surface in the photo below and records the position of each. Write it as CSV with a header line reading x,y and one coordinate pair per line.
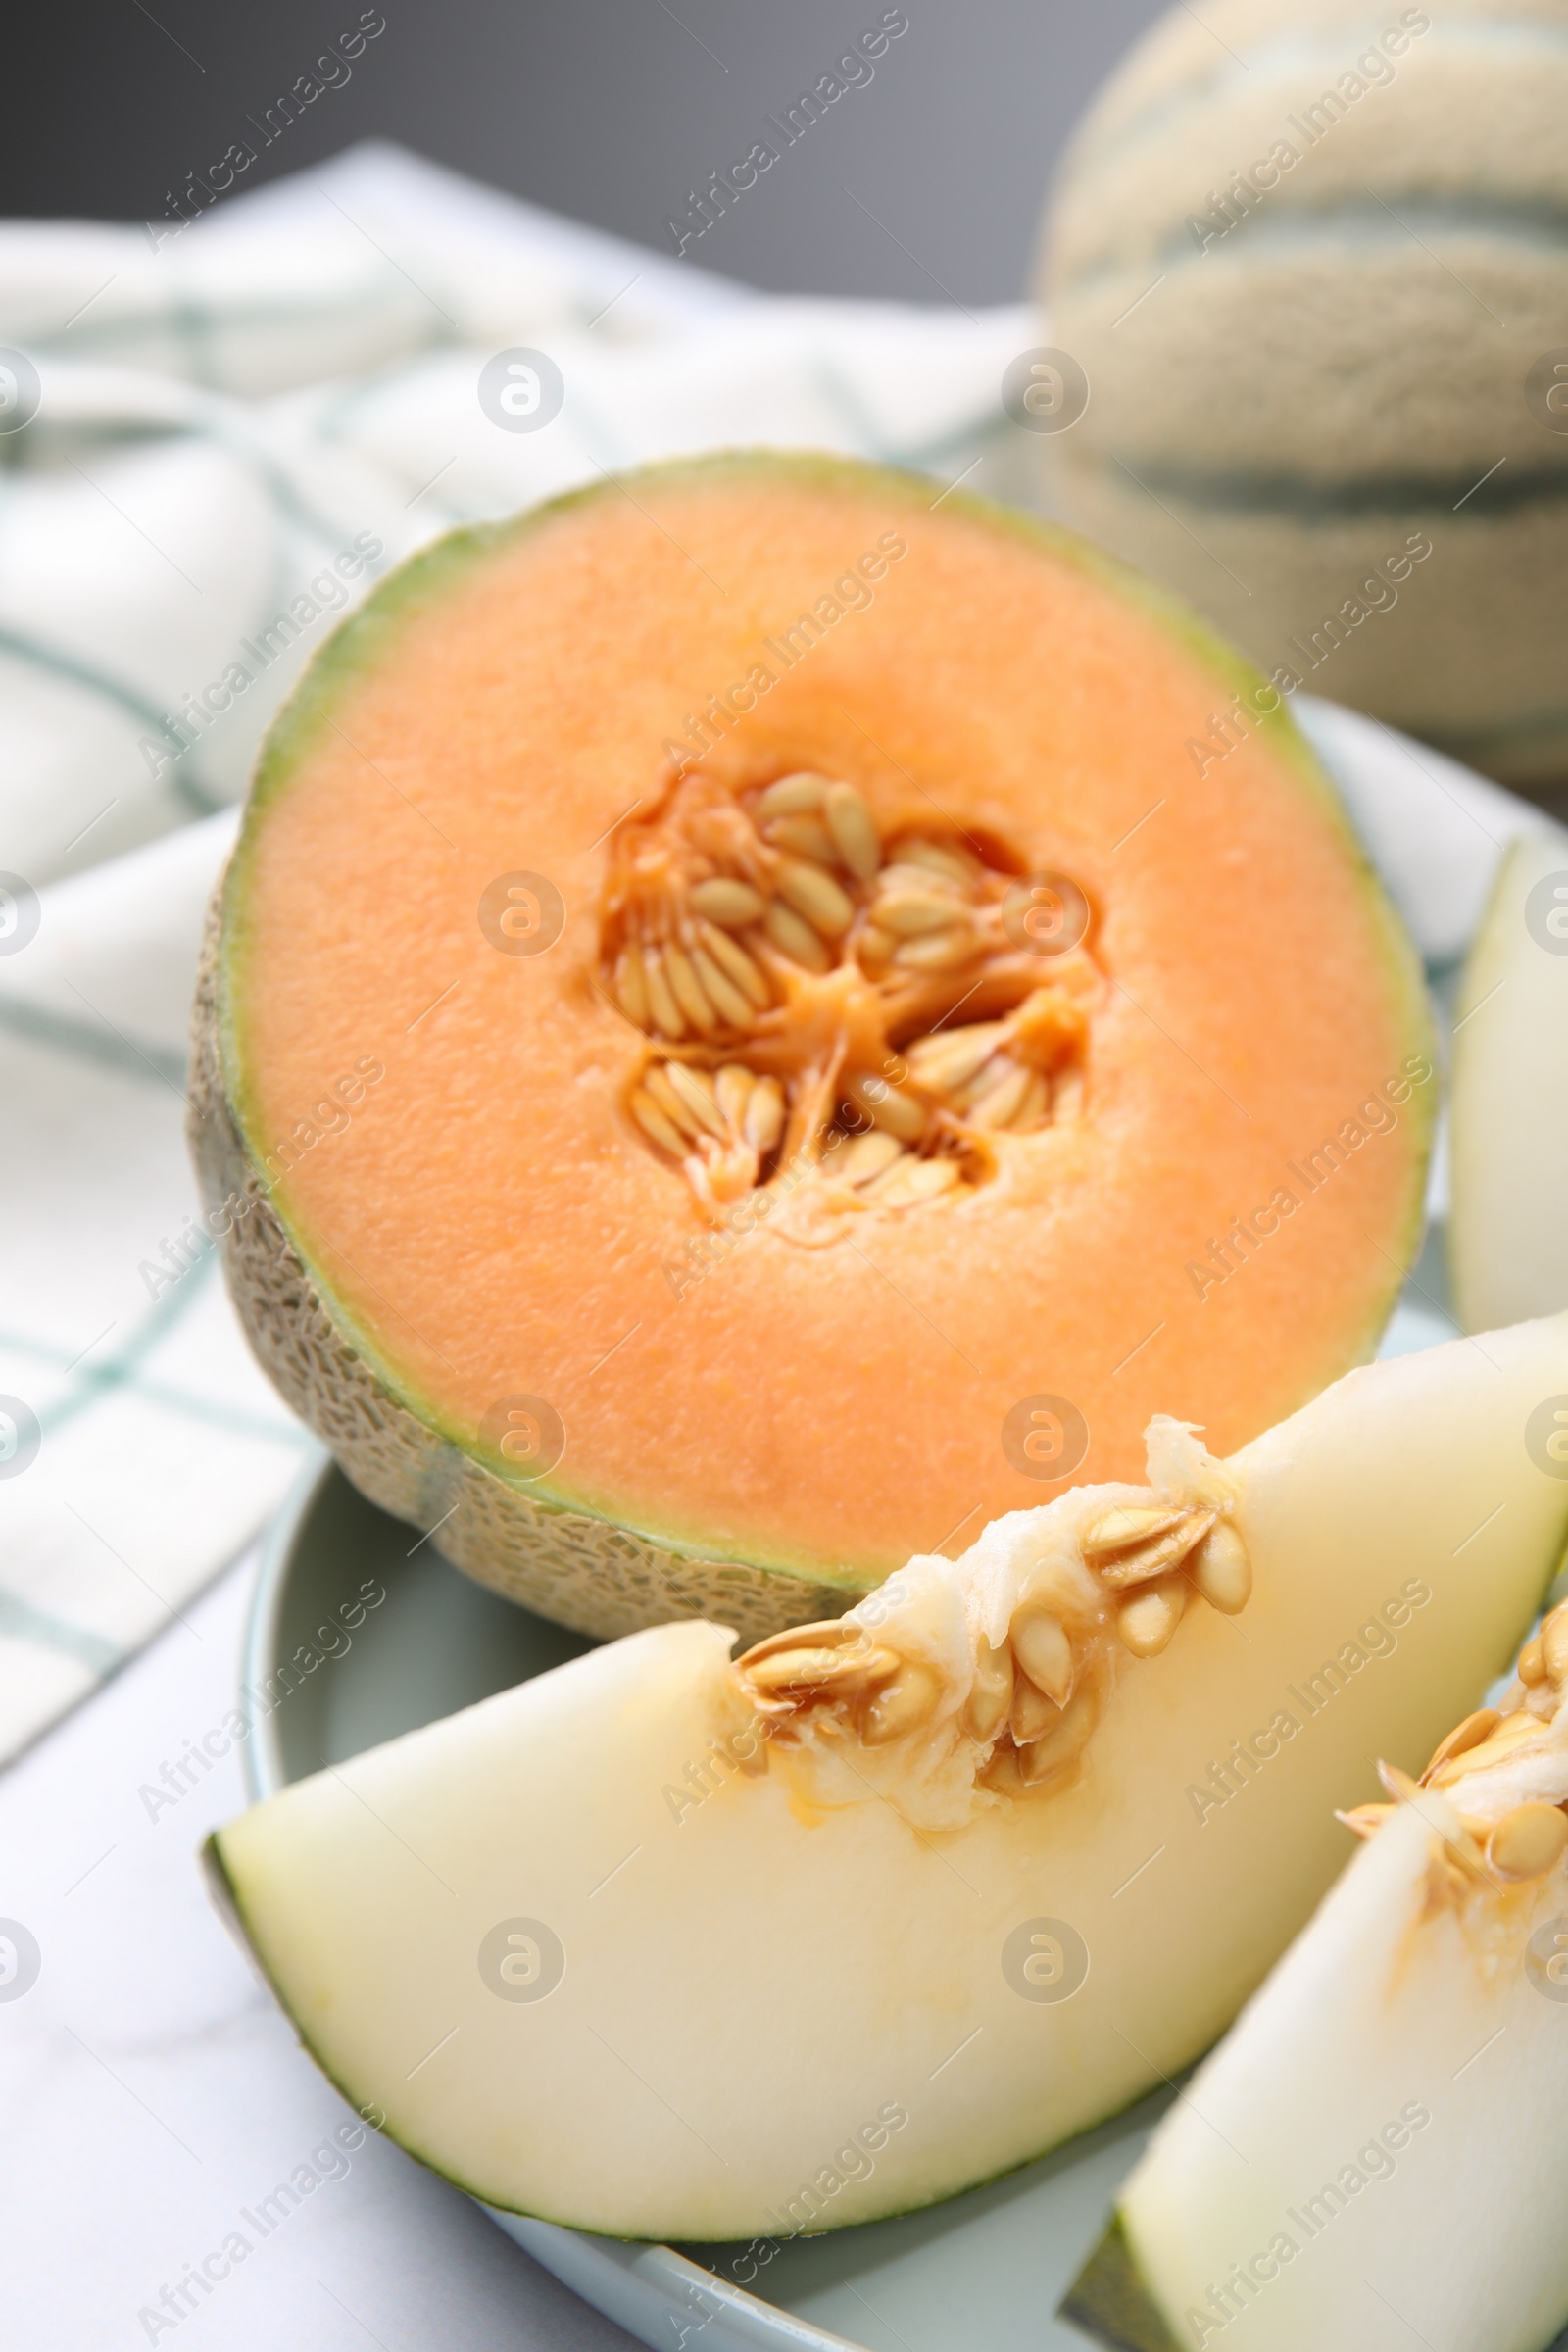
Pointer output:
x,y
149,2088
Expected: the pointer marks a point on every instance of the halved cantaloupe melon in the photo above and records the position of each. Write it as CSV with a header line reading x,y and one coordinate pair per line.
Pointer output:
x,y
1273,223
1378,2152
647,1944
741,1042
1508,1115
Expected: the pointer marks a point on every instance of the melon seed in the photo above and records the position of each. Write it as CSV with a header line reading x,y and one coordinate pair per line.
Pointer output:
x,y
728,903
1465,1736
936,952
721,992
1126,1523
1503,1741
907,913
696,1090
806,836
1064,1741
897,877
742,968
945,1063
656,1084
915,1180
765,1115
1532,1666
1528,1842
667,1016
887,1107
813,893
1041,1648
824,1632
990,1699
631,988
656,1126
1221,1569
866,1155
917,851
1033,1713
1553,1640
853,830
852,1666
997,1103
1142,1562
1397,1782
900,1706
1146,1622
792,795
793,938
688,990
732,1087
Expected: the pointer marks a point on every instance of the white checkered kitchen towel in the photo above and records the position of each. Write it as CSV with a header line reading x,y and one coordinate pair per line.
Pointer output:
x,y
237,426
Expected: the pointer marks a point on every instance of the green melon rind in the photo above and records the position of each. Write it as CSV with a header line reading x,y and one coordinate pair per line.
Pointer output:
x,y
1111,2301
589,1573
754,1594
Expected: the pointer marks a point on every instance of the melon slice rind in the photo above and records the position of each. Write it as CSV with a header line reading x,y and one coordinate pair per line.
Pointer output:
x,y
1378,2148
769,2008
1508,1101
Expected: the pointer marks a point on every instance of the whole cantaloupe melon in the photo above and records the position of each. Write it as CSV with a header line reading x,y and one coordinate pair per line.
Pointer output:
x,y
736,1045
1313,259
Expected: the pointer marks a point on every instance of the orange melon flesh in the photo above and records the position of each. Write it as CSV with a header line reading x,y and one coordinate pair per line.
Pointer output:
x,y
491,1222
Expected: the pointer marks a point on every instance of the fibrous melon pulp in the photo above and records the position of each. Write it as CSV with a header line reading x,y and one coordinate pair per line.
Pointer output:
x,y
744,1048
639,1945
1378,2152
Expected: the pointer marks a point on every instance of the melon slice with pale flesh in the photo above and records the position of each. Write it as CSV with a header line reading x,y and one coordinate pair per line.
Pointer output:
x,y
740,1042
658,1944
1509,1104
1377,2153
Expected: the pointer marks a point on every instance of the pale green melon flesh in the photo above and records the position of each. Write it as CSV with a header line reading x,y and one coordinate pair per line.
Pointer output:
x,y
1508,1134
1376,2154
746,1992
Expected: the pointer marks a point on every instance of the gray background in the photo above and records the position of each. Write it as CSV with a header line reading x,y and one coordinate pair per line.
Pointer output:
x,y
609,110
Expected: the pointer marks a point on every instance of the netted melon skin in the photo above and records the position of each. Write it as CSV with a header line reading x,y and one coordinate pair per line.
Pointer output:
x,y
1279,406
579,1571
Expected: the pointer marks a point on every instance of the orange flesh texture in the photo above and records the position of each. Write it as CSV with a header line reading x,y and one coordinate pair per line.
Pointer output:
x,y
490,1222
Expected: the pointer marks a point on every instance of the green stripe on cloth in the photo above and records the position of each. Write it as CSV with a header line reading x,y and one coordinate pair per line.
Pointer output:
x,y
25,1623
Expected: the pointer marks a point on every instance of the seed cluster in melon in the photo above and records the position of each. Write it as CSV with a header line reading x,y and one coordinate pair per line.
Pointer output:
x,y
1325,2168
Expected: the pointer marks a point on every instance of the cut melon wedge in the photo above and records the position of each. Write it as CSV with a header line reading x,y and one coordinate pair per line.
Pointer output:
x,y
661,1945
1509,1226
1378,2152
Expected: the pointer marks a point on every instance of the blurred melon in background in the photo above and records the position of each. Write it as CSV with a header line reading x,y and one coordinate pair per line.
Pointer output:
x,y
1313,257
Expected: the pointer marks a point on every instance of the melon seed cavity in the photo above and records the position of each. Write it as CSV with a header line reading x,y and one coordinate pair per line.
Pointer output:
x,y
1011,1719
797,976
1504,1771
